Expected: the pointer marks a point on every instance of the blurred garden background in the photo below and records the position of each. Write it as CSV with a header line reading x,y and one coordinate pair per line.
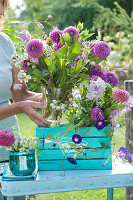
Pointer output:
x,y
114,18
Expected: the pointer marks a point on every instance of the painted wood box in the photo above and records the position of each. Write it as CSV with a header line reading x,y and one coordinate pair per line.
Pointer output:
x,y
52,157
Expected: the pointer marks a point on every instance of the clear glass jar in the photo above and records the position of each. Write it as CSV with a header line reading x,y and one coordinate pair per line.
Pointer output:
x,y
22,163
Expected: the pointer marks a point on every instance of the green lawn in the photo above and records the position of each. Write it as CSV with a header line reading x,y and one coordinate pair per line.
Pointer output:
x,y
28,128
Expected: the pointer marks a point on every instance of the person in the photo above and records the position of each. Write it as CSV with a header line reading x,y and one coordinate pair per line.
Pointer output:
x,y
24,101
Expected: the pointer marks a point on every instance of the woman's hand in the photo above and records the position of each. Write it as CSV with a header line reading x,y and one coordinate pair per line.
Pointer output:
x,y
29,107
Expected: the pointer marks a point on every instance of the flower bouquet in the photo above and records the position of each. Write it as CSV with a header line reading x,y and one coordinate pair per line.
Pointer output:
x,y
21,153
76,80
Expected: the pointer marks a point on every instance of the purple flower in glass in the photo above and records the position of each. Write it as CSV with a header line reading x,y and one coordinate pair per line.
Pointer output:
x,y
130,155
100,125
122,152
72,160
77,139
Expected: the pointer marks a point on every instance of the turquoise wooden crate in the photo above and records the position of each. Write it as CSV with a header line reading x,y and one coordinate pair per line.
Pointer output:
x,y
54,158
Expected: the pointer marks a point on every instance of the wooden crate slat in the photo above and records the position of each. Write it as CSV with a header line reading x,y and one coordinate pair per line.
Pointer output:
x,y
87,132
81,164
58,154
91,142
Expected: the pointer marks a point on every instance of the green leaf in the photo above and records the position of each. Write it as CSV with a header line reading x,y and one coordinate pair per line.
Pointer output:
x,y
107,112
80,26
63,50
62,40
67,38
109,132
84,34
72,56
76,48
118,106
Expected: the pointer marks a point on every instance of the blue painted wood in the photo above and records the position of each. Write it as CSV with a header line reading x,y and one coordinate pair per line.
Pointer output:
x,y
83,131
65,165
91,137
57,154
110,194
90,142
57,181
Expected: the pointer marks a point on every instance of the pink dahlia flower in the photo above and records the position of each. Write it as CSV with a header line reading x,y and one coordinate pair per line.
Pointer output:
x,y
55,35
97,114
6,138
102,50
91,46
72,31
121,95
35,48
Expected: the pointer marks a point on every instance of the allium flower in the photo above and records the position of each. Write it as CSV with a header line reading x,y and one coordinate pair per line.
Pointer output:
x,y
26,64
55,35
57,46
97,114
91,46
102,50
95,70
72,160
25,36
72,31
35,48
77,139
121,95
6,138
111,78
122,152
100,124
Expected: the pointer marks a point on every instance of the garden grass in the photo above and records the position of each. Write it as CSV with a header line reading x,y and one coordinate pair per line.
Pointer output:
x,y
28,128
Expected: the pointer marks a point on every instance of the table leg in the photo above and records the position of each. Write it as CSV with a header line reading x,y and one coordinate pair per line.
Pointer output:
x,y
109,193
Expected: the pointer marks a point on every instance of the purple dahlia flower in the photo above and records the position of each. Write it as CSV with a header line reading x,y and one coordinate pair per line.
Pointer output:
x,y
55,35
102,50
111,78
100,124
72,31
72,160
97,114
26,64
121,95
35,48
57,46
77,139
122,152
95,70
91,46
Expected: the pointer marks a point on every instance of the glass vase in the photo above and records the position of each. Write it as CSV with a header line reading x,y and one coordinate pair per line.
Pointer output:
x,y
54,100
22,163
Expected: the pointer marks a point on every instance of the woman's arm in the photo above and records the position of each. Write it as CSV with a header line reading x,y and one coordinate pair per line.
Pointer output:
x,y
23,93
27,107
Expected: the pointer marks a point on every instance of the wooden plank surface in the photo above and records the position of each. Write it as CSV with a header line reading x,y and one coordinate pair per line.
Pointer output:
x,y
53,165
58,154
